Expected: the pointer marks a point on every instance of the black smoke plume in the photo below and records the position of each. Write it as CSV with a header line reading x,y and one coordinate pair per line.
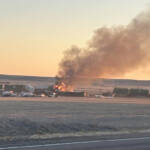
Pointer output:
x,y
111,52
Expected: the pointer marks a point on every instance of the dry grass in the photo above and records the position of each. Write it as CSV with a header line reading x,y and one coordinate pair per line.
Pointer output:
x,y
32,117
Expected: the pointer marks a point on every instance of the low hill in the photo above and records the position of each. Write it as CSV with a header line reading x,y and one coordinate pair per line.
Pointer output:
x,y
36,81
43,82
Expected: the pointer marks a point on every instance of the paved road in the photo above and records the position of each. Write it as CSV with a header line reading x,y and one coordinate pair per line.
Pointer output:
x,y
118,144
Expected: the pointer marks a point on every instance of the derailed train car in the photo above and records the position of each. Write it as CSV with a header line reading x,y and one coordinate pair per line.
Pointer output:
x,y
71,94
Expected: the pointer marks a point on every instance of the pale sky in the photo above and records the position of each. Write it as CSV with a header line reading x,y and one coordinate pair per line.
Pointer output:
x,y
34,33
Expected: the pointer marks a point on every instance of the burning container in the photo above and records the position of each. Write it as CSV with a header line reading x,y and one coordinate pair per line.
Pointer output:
x,y
62,89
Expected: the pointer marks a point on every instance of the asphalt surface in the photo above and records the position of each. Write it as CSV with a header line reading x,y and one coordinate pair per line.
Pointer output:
x,y
117,144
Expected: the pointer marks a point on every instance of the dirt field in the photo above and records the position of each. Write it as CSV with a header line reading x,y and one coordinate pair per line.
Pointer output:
x,y
80,99
48,117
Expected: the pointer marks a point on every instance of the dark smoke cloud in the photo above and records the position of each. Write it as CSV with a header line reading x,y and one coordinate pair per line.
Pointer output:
x,y
111,52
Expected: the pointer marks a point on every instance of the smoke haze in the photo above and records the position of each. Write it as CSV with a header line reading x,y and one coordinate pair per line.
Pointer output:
x,y
111,52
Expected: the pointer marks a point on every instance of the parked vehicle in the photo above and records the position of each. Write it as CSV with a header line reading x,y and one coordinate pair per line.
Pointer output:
x,y
8,94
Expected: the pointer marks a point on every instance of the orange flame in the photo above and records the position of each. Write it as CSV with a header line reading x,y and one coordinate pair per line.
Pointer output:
x,y
63,87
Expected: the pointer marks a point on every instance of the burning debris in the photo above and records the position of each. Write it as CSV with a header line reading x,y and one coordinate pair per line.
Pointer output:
x,y
62,89
111,52
60,86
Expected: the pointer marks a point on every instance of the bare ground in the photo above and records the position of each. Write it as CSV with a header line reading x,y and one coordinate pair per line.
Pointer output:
x,y
61,117
80,99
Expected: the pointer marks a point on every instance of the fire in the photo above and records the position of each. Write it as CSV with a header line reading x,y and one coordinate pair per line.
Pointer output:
x,y
63,87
